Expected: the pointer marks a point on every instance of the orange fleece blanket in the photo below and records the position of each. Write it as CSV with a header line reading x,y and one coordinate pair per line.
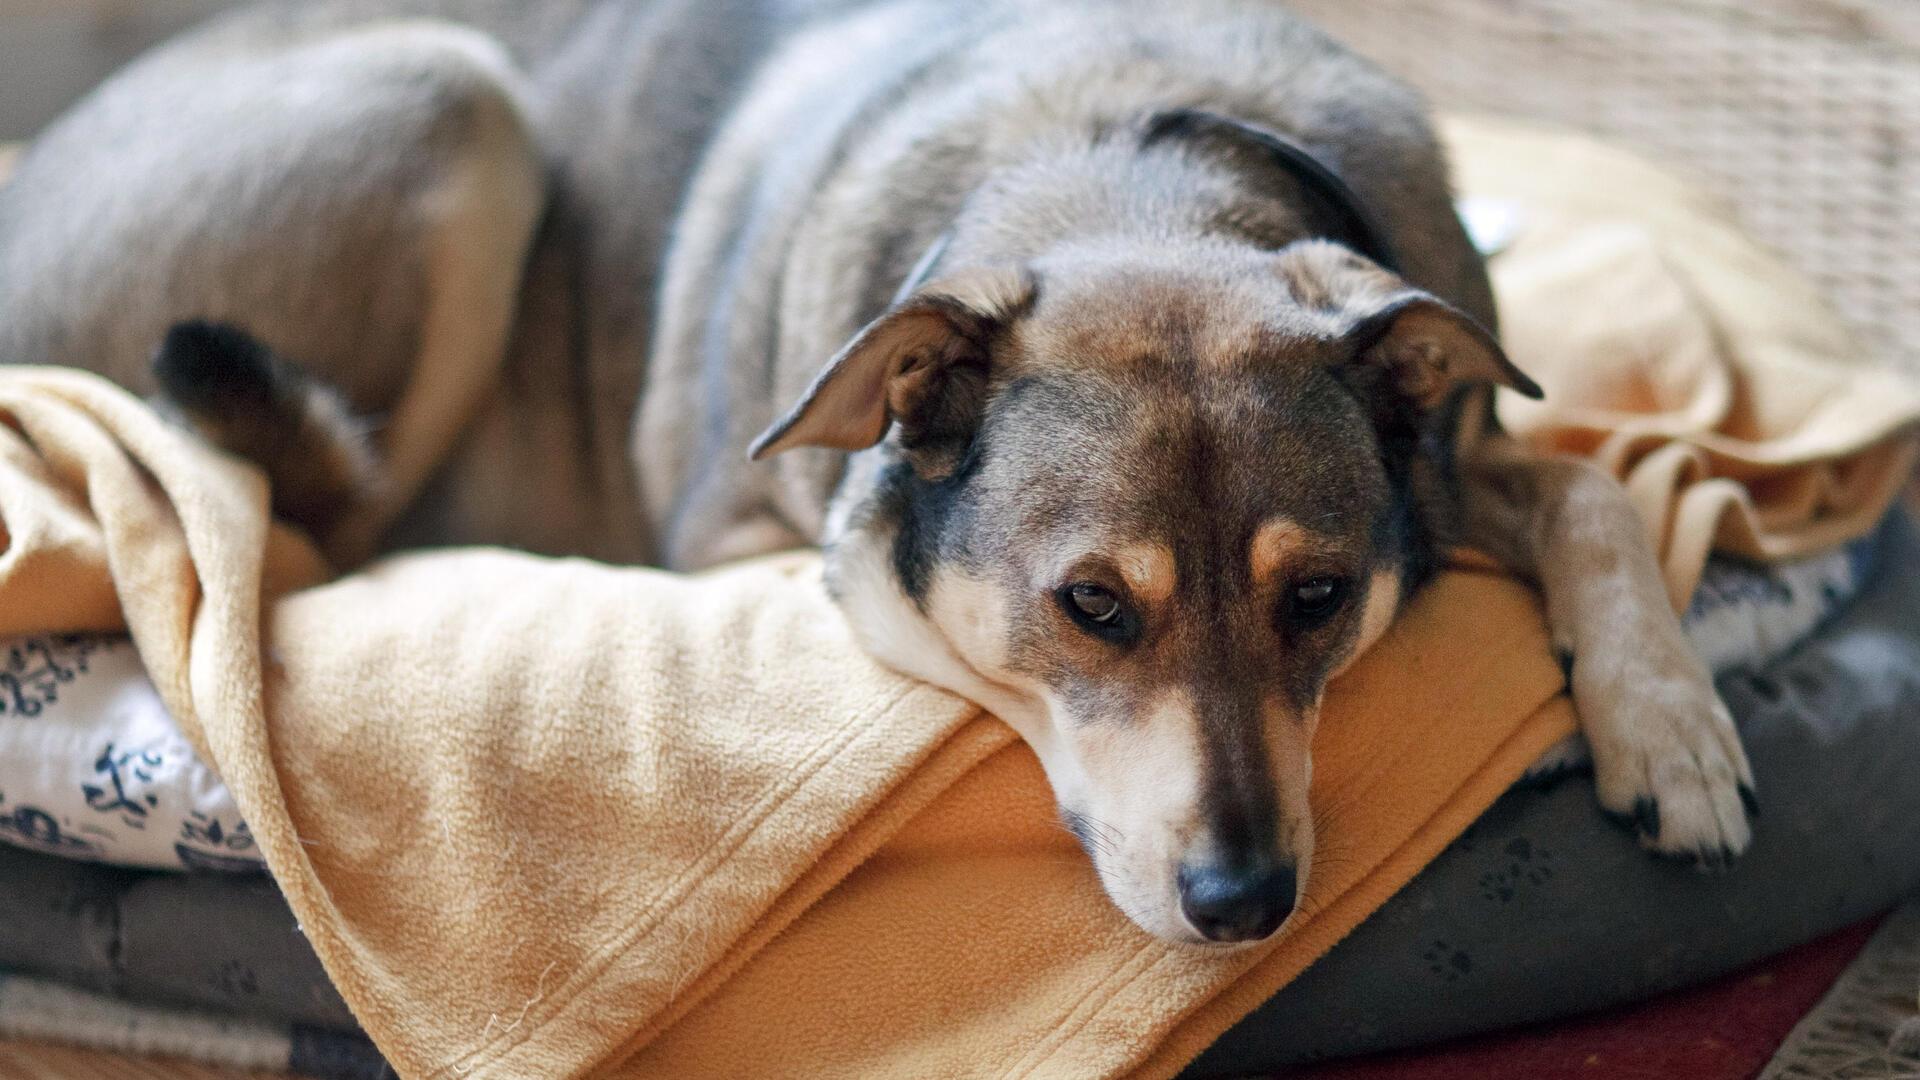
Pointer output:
x,y
548,818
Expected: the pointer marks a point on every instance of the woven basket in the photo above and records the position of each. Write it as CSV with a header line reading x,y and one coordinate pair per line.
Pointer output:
x,y
1804,114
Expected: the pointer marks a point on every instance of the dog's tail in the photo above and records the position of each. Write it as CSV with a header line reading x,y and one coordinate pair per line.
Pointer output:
x,y
242,397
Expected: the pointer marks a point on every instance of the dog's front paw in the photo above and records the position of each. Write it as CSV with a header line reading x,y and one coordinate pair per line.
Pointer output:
x,y
1667,761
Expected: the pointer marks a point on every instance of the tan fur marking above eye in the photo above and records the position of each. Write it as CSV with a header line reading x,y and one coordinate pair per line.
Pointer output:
x,y
1148,569
1277,541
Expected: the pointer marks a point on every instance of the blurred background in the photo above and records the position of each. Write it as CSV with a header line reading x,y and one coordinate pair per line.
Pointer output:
x,y
1803,113
52,51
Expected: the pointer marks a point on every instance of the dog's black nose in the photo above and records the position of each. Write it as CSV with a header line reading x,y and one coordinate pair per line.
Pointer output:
x,y
1237,903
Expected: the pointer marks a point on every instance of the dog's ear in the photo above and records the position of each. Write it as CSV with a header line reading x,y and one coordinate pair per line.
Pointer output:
x,y
1423,346
923,364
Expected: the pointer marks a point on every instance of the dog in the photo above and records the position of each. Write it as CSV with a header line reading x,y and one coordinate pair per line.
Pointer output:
x,y
1127,359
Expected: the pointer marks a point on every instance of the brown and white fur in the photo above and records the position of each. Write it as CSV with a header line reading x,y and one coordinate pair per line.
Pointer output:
x,y
1151,454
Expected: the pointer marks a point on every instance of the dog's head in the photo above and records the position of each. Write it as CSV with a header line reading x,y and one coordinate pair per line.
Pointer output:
x,y
1144,504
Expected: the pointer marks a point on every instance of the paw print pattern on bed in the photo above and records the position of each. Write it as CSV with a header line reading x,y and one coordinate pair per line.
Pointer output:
x,y
92,767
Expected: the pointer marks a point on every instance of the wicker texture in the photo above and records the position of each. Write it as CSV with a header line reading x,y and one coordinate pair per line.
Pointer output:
x,y
1851,1034
1805,114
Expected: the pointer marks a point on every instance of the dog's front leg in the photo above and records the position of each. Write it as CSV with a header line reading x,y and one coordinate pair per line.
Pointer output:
x,y
1666,758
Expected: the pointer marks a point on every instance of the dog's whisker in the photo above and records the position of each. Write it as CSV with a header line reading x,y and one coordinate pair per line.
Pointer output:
x,y
1094,835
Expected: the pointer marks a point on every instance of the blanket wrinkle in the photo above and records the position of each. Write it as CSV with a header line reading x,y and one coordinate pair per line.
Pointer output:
x,y
547,818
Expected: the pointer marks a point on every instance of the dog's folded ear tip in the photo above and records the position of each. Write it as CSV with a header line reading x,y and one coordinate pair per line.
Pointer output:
x,y
1511,377
768,442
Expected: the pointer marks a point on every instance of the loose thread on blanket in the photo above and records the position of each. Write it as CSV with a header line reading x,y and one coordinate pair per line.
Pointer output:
x,y
539,992
696,932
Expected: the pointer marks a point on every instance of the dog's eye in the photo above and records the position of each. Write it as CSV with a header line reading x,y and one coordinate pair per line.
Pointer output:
x,y
1095,609
1094,602
1314,600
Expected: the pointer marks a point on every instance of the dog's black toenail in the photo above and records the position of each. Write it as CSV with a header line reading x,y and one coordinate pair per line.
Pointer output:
x,y
1646,816
1565,657
1624,821
1750,801
1715,862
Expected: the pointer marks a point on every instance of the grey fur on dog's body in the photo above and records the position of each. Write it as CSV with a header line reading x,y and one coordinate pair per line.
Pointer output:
x,y
198,195
839,163
570,258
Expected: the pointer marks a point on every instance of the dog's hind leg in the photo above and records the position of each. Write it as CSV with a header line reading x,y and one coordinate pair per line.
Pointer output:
x,y
360,200
1667,760
480,214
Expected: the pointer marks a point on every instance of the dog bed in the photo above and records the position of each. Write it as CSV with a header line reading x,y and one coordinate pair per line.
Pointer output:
x,y
398,703
1500,929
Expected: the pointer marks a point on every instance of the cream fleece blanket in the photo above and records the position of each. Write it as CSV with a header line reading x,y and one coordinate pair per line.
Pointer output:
x,y
549,819
1683,357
